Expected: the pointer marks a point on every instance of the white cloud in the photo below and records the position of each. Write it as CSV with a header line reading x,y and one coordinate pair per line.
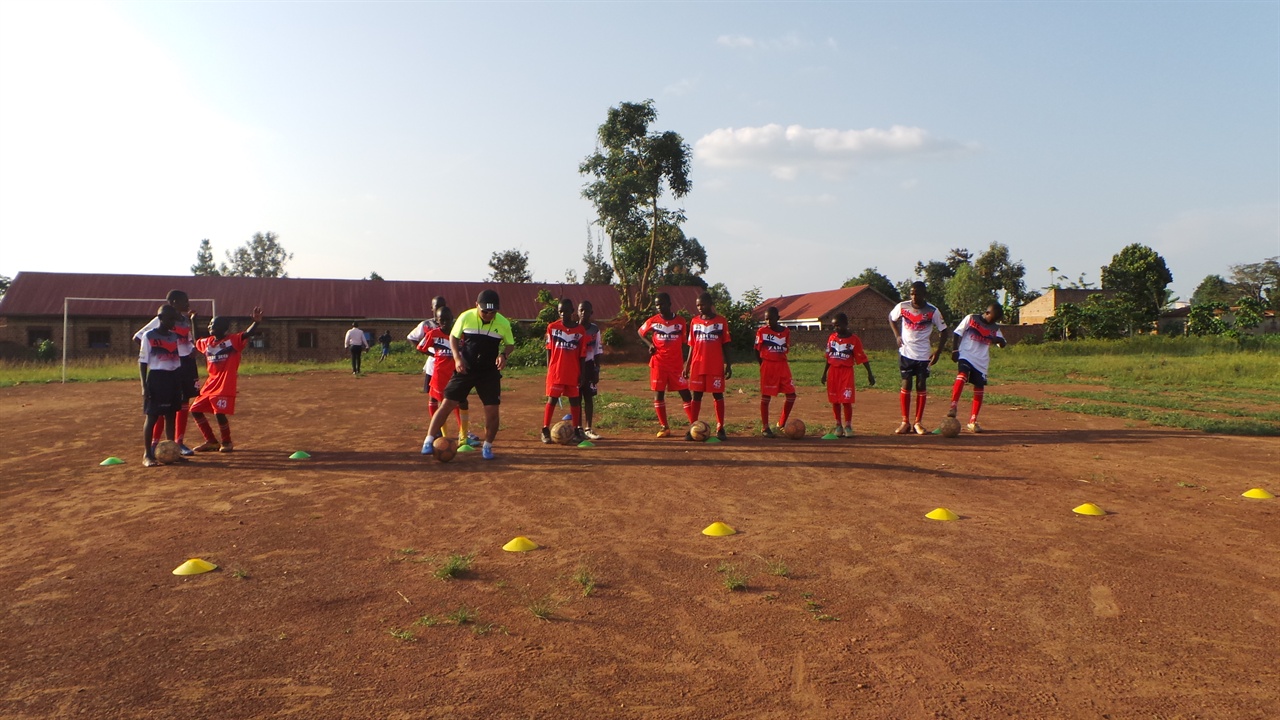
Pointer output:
x,y
789,41
786,151
736,41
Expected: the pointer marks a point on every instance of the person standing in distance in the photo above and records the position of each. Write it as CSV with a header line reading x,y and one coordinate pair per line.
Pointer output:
x,y
481,341
666,360
918,319
357,344
415,336
708,364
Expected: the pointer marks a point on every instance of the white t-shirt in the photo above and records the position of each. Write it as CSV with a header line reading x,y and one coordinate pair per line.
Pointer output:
x,y
182,328
917,326
415,336
356,338
974,340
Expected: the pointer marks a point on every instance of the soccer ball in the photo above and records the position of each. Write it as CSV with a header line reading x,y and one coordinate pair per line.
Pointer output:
x,y
794,429
950,427
699,430
168,451
562,433
444,449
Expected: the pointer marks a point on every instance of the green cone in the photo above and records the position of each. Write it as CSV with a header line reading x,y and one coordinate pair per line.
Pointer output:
x,y
300,455
113,460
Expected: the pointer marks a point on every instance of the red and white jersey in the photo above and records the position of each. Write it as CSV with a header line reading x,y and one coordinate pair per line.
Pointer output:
x,y
973,339
415,336
181,328
222,360
160,349
668,338
917,327
773,345
568,346
707,338
595,348
845,351
436,344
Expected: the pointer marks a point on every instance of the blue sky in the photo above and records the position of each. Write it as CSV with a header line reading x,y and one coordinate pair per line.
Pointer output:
x,y
415,139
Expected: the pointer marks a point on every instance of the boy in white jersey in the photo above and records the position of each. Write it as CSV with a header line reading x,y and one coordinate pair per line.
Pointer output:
x,y
160,368
188,374
918,319
974,336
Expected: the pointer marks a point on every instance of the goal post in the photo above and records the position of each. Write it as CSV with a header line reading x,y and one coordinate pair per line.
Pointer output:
x,y
66,316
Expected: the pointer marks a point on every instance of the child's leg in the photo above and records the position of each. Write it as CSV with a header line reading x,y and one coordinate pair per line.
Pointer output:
x,y
786,409
848,414
922,395
764,410
904,399
660,407
148,431
695,407
464,420
689,411
588,410
956,391
718,400
546,413
170,425
202,422
575,411
180,433
224,429
978,392
835,410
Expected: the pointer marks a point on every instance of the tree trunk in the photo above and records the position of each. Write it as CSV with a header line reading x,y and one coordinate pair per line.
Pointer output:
x,y
643,288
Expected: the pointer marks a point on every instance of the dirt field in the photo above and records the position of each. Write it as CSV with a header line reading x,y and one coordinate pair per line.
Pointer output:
x,y
1168,607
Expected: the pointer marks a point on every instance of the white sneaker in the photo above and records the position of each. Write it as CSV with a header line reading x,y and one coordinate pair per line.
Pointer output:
x,y
426,446
591,434
974,427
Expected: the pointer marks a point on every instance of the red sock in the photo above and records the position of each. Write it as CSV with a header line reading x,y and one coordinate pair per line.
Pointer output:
x,y
904,399
786,410
660,407
546,414
576,412
432,406
977,403
457,413
835,410
719,403
920,400
225,430
958,388
180,431
203,423
764,411
694,410
848,413
158,433
690,412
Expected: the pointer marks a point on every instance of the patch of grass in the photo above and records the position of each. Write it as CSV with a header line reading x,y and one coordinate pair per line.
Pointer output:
x,y
776,567
408,551
482,629
454,566
814,608
404,635
543,608
462,615
428,621
734,579
240,574
1185,419
585,579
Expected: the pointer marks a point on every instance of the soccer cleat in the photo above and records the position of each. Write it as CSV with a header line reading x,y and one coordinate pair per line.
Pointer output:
x,y
952,412
474,440
579,436
486,453
185,451
591,434
768,433
227,447
689,436
839,431
903,429
426,445
920,428
720,434
974,427
848,431
664,432
148,461
208,446
546,436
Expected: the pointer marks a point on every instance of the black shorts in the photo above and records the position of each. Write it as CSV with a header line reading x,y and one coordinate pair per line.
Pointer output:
x,y
164,392
189,375
487,385
976,378
913,368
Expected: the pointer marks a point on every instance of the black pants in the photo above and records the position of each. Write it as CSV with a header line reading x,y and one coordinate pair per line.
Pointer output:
x,y
356,352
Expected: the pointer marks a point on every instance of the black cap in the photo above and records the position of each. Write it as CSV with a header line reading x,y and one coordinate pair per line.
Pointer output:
x,y
487,300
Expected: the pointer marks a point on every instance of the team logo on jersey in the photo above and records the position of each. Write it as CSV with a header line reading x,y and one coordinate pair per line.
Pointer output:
x,y
667,333
708,333
918,321
840,351
442,347
219,353
773,343
978,333
565,340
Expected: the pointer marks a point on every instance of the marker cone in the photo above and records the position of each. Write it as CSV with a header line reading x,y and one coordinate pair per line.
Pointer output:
x,y
113,460
300,455
718,529
1088,509
942,514
1255,493
520,543
194,566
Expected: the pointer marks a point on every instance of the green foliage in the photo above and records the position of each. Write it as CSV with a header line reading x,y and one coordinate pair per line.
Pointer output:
x,y
966,292
872,277
1220,319
548,313
509,266
46,351
1214,289
1097,317
374,276
742,327
204,260
454,566
1003,278
529,353
1259,280
611,338
263,256
599,271
1140,277
1205,319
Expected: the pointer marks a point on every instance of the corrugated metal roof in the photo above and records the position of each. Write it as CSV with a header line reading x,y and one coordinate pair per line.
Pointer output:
x,y
809,306
42,294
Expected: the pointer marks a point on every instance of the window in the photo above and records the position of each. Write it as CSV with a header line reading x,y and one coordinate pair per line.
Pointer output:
x,y
99,337
308,339
258,341
37,335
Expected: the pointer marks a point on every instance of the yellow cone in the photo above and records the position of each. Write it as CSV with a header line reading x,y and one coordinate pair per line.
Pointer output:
x,y
520,543
1088,509
942,514
194,566
718,529
1258,494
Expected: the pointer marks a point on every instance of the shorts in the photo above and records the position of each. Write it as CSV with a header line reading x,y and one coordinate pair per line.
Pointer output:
x,y
217,404
976,378
555,390
775,379
913,368
164,392
706,383
190,375
588,390
662,379
487,385
839,385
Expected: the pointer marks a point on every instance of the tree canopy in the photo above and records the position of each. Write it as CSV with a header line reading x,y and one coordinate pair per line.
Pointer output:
x,y
204,260
1215,289
263,257
872,277
1140,278
599,271
1259,280
509,266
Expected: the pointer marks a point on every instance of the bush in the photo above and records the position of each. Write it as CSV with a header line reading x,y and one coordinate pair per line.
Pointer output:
x,y
611,338
528,353
46,351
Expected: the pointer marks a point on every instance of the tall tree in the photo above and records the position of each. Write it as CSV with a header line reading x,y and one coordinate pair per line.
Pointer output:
x,y
1003,279
374,276
967,292
204,260
263,257
599,271
1259,280
1139,276
5,282
632,169
686,259
935,274
872,277
510,266
1214,289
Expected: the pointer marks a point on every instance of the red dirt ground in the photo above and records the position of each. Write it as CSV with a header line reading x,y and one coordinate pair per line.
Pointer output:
x,y
1168,607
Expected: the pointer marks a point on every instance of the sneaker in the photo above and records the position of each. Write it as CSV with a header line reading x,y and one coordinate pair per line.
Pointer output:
x,y
768,433
664,432
720,434
208,446
486,453
839,431
920,429
591,434
974,427
426,445
952,412
903,429
848,431
226,447
148,461
546,436
474,440
579,436
185,451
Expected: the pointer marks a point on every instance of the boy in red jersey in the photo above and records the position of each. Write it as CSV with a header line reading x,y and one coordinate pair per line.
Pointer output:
x,y
566,347
188,372
435,343
918,319
844,350
160,367
222,353
708,364
666,360
975,335
590,368
773,342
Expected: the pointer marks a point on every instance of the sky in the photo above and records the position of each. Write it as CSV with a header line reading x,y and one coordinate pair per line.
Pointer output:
x,y
416,139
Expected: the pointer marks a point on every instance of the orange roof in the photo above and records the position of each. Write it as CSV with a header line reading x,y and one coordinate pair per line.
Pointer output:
x,y
811,306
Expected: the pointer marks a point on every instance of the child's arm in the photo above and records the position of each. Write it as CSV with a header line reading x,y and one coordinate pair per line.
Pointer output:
x,y
253,326
871,378
728,362
825,368
942,347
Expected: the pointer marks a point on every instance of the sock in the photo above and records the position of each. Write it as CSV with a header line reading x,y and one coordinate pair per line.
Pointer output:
x,y
835,410
904,399
158,434
225,430
202,422
977,403
576,412
921,397
488,446
462,434
764,411
180,429
848,414
719,403
694,410
432,406
660,407
957,389
786,410
464,422
546,413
